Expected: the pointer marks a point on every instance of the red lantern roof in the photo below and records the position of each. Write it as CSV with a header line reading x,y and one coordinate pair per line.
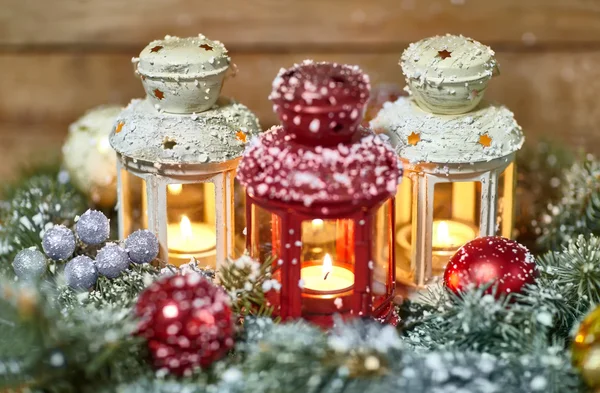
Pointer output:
x,y
321,103
276,167
320,155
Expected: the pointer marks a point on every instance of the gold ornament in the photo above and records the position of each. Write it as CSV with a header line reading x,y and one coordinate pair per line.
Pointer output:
x,y
586,349
88,157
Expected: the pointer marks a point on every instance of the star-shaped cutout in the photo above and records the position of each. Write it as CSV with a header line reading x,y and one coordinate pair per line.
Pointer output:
x,y
156,49
444,54
119,127
159,94
485,140
206,47
241,136
168,143
414,138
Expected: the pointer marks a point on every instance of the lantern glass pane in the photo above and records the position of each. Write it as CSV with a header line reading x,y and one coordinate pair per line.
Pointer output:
x,y
455,220
328,237
265,233
133,203
506,202
381,285
327,270
404,270
191,230
239,216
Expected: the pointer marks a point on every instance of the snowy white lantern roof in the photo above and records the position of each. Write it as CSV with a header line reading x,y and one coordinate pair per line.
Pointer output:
x,y
466,59
219,134
448,74
484,134
194,57
183,75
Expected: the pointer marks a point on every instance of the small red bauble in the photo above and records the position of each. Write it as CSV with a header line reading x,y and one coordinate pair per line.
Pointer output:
x,y
495,260
187,322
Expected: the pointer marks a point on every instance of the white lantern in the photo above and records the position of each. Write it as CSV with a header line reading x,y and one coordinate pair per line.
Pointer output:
x,y
178,150
458,153
88,158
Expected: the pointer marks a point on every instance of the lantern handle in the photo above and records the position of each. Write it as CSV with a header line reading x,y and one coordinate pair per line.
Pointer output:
x,y
232,71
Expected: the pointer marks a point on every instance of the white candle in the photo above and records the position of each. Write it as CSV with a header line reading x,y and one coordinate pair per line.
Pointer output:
x,y
326,277
451,234
447,237
191,237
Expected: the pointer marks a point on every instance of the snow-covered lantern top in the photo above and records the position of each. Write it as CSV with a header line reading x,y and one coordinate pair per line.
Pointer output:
x,y
178,150
460,165
448,74
320,198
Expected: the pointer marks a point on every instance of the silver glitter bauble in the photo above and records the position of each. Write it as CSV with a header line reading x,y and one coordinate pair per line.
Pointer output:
x,y
81,273
93,227
29,264
59,242
142,246
112,260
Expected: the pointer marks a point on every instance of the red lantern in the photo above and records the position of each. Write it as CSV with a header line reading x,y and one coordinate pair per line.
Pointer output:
x,y
319,198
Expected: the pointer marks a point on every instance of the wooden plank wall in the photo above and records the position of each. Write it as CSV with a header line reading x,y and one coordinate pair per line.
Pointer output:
x,y
60,57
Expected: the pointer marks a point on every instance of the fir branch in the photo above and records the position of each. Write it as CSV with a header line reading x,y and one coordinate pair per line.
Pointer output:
x,y
478,322
247,281
300,358
38,202
574,273
122,291
57,350
578,210
541,170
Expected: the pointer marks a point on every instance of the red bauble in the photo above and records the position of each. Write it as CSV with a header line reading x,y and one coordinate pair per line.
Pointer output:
x,y
187,322
493,259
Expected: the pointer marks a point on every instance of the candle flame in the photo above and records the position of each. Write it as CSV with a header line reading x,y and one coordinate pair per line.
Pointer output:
x,y
175,189
185,226
442,233
327,266
317,224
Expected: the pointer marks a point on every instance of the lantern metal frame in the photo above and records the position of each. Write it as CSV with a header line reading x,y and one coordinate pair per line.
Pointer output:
x,y
292,216
424,178
183,132
222,175
321,165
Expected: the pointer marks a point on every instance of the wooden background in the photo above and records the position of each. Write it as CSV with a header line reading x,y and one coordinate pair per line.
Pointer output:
x,y
61,57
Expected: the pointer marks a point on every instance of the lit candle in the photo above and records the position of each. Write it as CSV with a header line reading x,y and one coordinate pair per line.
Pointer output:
x,y
451,234
447,237
175,189
327,278
189,239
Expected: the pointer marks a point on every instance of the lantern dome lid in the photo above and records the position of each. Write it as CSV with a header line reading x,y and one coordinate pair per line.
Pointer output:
x,y
183,75
484,134
448,59
143,132
183,58
275,167
320,86
319,102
